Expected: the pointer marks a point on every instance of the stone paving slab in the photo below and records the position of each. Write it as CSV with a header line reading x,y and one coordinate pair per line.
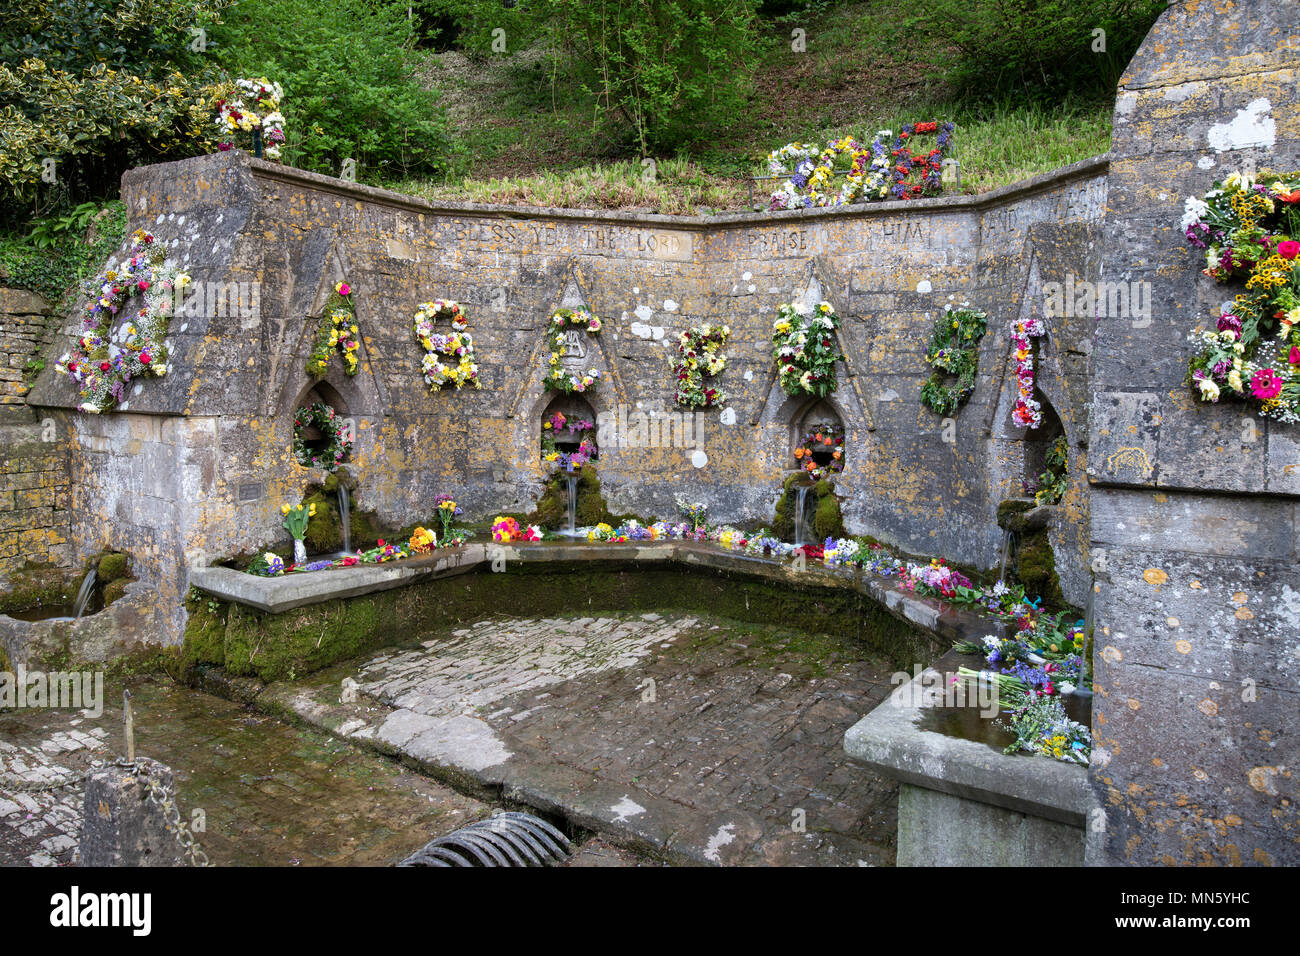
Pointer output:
x,y
703,742
271,794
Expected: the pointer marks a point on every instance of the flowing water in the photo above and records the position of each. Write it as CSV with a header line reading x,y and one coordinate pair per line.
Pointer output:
x,y
345,518
1006,555
571,482
83,595
800,515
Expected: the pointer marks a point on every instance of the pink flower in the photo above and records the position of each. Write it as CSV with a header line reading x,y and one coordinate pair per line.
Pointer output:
x,y
1265,384
1288,249
1294,357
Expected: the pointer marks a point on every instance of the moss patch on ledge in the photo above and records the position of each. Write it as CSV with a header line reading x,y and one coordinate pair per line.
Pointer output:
x,y
247,642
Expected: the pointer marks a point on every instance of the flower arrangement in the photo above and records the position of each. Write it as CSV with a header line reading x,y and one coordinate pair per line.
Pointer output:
x,y
296,518
248,106
696,511
457,347
447,512
505,530
700,351
929,165
867,179
1042,728
601,532
337,433
557,379
826,439
568,461
1052,482
422,541
1250,228
267,565
337,331
953,351
106,359
383,552
1028,412
803,347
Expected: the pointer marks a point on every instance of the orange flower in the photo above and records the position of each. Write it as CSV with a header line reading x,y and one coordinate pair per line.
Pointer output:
x,y
798,453
827,441
835,455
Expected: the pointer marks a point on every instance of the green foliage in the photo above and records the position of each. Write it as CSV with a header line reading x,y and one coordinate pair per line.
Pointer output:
x,y
1034,49
349,90
1053,481
953,351
96,86
57,270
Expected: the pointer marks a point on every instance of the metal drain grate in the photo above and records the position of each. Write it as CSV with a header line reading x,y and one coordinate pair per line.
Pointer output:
x,y
507,839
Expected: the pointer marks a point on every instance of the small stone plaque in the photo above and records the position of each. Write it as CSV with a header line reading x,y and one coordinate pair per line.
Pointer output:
x,y
251,491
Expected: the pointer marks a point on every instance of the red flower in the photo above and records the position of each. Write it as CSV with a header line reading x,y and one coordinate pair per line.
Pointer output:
x,y
104,366
144,358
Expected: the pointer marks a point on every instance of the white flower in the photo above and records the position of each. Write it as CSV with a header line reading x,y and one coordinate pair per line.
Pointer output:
x,y
1209,389
1194,211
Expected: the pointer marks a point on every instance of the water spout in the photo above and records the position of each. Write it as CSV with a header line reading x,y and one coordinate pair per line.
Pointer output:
x,y
571,481
345,518
83,595
800,515
1006,556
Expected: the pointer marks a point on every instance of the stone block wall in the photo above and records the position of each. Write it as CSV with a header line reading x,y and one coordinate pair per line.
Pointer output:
x,y
194,466
34,478
1195,524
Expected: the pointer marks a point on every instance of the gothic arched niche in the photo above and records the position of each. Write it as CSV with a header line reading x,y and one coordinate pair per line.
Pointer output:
x,y
326,394
817,432
566,423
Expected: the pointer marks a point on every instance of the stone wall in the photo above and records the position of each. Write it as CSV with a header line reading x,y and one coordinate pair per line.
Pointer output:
x,y
34,481
195,466
1194,507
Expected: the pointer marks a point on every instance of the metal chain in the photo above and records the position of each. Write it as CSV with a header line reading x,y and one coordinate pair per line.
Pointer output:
x,y
162,797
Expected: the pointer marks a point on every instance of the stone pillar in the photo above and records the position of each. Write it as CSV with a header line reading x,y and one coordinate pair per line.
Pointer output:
x,y
121,826
1194,531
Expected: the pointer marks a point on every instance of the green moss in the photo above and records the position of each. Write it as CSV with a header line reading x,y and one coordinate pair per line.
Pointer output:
x,y
114,590
1036,569
325,529
828,522
1009,512
112,567
35,586
552,511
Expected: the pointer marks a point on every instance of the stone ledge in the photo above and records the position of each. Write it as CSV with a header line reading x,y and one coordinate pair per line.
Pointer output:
x,y
278,594
889,741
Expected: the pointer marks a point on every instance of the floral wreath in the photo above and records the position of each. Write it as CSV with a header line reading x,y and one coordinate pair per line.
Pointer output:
x,y
557,379
337,331
821,438
1250,227
235,116
929,164
868,178
1028,413
953,350
459,346
700,348
803,347
105,360
568,461
324,417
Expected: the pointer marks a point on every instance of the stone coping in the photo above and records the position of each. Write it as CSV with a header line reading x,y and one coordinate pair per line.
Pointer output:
x,y
286,592
1083,169
888,740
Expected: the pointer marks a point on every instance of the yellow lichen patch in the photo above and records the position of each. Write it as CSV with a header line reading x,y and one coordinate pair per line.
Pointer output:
x,y
1244,614
1171,621
1111,654
1183,647
1155,576
1134,704
1240,598
1208,707
1196,585
1261,780
1262,857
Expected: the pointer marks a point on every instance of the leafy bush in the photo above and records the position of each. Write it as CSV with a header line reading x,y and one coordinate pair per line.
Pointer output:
x,y
349,91
65,257
1035,49
98,86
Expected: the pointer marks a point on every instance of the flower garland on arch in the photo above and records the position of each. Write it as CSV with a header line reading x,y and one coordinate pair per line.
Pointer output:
x,y
557,379
323,417
867,179
700,348
106,359
457,346
337,331
1028,413
803,346
235,115
930,164
953,350
1249,228
822,438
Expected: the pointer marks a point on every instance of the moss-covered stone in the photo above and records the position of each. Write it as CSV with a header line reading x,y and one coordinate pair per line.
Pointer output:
x,y
1010,512
1036,569
828,522
114,590
552,511
113,566
325,529
827,519
36,586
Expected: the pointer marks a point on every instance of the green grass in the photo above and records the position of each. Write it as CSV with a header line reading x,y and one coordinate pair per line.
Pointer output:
x,y
521,142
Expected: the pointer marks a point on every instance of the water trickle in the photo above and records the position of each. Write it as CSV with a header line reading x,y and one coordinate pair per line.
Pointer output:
x,y
345,518
83,595
1006,555
571,483
800,515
